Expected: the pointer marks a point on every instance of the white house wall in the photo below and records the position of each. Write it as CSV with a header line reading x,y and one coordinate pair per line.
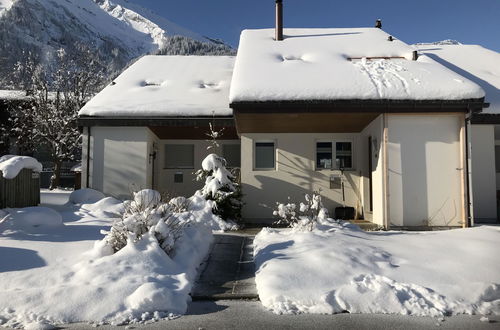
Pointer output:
x,y
119,160
425,170
375,130
295,174
483,172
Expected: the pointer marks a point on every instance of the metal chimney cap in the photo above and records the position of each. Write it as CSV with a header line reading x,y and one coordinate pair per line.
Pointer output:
x,y
279,1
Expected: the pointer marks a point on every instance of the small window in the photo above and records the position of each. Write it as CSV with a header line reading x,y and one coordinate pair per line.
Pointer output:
x,y
232,154
264,155
343,155
179,156
323,155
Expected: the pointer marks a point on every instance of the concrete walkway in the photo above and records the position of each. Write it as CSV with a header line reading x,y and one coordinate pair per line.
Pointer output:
x,y
230,270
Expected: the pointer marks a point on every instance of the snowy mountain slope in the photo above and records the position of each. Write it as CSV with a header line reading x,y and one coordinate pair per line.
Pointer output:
x,y
117,29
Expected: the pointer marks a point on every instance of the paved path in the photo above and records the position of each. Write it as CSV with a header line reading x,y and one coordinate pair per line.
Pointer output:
x,y
240,315
230,270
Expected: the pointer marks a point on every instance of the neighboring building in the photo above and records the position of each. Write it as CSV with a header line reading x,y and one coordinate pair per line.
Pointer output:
x,y
481,66
149,127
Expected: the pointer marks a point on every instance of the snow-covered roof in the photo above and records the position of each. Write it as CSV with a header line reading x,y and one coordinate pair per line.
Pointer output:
x,y
167,86
335,64
473,62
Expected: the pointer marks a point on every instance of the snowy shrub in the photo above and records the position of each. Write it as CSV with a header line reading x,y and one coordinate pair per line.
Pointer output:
x,y
221,187
303,217
146,213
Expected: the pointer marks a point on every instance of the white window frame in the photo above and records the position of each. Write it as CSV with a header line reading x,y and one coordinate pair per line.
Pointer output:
x,y
255,168
334,154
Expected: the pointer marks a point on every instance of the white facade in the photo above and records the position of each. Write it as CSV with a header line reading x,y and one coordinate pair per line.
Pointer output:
x,y
484,181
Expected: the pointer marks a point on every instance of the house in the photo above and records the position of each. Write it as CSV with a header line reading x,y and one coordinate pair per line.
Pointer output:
x,y
481,66
353,112
148,128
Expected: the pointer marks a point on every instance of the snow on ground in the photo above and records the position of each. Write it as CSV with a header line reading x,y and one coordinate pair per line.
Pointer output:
x,y
167,86
338,267
11,165
51,274
320,64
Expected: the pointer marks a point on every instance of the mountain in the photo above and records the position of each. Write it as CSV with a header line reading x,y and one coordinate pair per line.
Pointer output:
x,y
119,31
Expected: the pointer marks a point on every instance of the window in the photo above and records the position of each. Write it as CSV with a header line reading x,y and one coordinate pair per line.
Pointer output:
x,y
232,154
342,154
179,156
497,158
324,155
264,155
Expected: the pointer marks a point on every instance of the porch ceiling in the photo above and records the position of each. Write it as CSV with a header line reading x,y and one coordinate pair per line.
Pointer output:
x,y
191,132
303,122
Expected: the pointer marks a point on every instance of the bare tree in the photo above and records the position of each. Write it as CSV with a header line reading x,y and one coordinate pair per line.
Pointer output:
x,y
57,91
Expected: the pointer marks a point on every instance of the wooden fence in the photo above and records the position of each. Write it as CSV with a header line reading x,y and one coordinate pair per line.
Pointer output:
x,y
22,191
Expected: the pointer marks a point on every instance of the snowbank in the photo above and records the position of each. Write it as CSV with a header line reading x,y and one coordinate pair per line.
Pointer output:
x,y
85,196
167,86
339,268
322,64
11,165
77,168
31,217
202,213
62,276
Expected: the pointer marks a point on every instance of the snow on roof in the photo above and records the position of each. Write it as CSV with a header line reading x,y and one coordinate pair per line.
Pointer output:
x,y
167,86
11,165
473,62
314,64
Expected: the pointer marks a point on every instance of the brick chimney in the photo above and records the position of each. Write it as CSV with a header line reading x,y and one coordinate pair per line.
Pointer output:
x,y
279,20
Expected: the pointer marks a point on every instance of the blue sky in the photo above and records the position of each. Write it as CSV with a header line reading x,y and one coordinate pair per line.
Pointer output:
x,y
468,21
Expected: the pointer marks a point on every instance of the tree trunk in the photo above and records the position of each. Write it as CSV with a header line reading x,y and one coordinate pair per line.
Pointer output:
x,y
55,179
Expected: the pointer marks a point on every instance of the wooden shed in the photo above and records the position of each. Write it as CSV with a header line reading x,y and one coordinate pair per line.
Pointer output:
x,y
21,191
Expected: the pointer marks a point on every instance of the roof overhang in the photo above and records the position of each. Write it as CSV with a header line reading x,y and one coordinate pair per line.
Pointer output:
x,y
485,119
362,106
220,121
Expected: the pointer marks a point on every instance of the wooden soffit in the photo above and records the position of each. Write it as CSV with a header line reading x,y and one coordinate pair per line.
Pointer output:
x,y
303,122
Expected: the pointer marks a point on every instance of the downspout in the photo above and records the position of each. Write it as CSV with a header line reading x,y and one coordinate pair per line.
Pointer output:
x,y
88,158
385,172
469,222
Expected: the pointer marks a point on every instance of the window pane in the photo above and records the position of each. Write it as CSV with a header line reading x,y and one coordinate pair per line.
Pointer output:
x,y
264,155
232,154
323,155
179,156
343,154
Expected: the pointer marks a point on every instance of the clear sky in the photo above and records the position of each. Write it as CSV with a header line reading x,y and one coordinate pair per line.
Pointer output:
x,y
468,21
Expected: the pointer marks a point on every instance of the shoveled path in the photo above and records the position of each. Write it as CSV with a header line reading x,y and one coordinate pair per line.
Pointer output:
x,y
230,270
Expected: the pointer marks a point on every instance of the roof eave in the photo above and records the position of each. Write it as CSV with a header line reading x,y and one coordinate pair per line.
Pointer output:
x,y
353,105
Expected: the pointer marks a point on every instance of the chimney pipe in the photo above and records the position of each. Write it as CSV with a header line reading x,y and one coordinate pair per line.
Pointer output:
x,y
279,20
414,55
378,23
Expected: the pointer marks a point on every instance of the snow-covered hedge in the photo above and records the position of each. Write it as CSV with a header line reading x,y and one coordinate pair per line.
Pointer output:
x,y
303,217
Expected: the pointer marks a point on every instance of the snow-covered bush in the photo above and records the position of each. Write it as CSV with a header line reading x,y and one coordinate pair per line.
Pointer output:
x,y
221,187
306,216
146,213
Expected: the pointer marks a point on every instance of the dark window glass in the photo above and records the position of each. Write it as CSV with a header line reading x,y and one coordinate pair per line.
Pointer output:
x,y
497,158
324,155
232,154
264,155
179,156
343,155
